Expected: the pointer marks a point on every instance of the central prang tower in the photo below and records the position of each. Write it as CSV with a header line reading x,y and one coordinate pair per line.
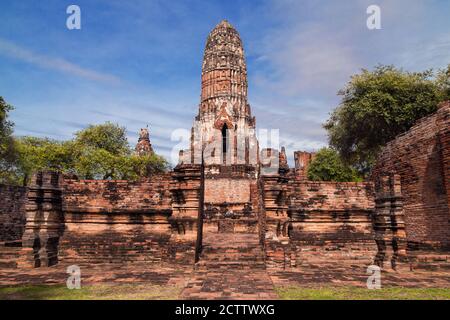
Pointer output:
x,y
224,129
224,71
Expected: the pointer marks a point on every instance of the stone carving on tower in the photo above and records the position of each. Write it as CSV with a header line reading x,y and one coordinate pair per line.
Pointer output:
x,y
144,147
224,129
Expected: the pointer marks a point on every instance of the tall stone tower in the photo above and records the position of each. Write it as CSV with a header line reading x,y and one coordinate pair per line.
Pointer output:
x,y
224,129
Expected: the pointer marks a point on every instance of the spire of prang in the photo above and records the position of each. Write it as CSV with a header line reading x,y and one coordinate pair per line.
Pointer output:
x,y
144,147
224,71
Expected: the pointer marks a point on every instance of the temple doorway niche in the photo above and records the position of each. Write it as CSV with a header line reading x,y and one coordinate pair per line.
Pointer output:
x,y
224,142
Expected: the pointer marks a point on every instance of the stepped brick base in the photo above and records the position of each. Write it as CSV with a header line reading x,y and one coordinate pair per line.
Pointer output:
x,y
231,266
231,251
229,284
9,254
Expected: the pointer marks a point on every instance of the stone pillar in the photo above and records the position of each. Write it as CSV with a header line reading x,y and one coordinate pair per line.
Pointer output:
x,y
274,190
44,220
185,188
302,161
275,204
186,203
389,221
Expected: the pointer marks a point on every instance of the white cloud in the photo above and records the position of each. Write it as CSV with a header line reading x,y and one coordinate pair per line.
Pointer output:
x,y
313,47
10,49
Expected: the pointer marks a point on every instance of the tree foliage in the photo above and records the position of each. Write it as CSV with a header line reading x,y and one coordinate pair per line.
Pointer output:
x,y
6,126
108,136
327,165
102,152
97,163
97,152
7,151
443,81
378,105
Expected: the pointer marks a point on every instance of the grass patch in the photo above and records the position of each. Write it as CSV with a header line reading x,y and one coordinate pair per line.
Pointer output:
x,y
153,292
90,292
353,293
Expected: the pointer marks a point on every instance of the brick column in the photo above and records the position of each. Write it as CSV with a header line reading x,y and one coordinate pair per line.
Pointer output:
x,y
302,161
388,221
44,220
186,203
274,190
185,188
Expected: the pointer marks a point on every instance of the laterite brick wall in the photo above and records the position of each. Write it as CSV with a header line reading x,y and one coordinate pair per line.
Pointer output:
x,y
12,212
122,221
117,195
421,157
331,211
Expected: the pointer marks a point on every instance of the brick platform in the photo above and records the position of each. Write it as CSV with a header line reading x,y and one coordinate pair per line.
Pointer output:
x,y
231,267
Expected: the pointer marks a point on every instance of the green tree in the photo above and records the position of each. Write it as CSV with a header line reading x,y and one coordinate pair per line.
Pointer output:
x,y
36,154
378,105
96,163
102,152
146,165
97,152
6,126
327,165
8,154
108,136
443,81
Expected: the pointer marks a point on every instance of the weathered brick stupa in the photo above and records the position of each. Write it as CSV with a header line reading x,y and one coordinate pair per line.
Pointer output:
x,y
144,147
220,207
224,129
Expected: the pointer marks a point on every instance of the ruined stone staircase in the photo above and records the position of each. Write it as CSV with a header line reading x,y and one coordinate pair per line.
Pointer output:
x,y
9,254
429,260
231,266
231,251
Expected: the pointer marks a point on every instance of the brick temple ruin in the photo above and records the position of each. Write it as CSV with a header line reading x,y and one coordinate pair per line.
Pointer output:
x,y
228,204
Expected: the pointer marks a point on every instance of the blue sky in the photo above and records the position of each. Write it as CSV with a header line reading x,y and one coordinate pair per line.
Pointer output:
x,y
139,62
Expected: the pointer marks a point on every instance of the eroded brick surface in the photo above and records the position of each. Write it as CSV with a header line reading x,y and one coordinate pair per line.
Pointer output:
x,y
421,158
231,267
12,212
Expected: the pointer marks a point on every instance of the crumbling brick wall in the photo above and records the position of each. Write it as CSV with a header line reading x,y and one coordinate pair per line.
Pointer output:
x,y
227,190
324,195
421,157
12,212
330,211
325,221
149,195
106,221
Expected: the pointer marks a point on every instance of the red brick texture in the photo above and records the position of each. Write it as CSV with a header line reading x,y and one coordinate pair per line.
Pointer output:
x,y
324,222
86,221
421,158
444,139
109,196
313,222
122,221
12,212
302,161
236,191
328,211
329,196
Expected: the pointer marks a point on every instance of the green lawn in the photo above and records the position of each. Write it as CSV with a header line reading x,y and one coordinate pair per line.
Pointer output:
x,y
99,292
151,292
352,293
